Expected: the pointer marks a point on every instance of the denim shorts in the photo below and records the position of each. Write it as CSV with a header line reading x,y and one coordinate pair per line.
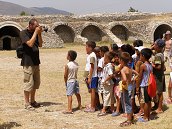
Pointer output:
x,y
72,88
127,94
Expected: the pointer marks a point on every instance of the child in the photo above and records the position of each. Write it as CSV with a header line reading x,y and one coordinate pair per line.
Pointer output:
x,y
92,80
107,74
138,64
117,92
127,86
103,50
98,55
70,78
158,71
145,70
114,47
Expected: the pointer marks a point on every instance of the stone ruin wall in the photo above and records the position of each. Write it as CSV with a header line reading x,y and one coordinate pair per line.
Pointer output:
x,y
117,27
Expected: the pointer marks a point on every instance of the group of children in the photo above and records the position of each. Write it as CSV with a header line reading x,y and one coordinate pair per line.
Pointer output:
x,y
119,73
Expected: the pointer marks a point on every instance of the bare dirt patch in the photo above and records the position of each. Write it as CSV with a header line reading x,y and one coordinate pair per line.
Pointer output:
x,y
52,95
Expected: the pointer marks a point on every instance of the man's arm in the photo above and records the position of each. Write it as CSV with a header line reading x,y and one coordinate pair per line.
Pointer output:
x,y
31,42
40,40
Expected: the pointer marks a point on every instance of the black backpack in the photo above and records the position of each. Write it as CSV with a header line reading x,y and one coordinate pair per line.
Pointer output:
x,y
20,51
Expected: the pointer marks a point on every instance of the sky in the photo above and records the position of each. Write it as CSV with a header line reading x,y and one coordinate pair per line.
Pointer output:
x,y
100,6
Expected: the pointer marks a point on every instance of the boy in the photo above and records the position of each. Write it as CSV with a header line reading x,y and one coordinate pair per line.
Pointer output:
x,y
70,78
127,86
92,78
107,83
158,71
103,50
145,70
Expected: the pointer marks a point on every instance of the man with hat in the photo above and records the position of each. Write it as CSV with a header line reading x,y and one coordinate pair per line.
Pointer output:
x,y
167,55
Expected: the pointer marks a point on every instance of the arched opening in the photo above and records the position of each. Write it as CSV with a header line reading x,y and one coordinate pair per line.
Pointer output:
x,y
7,43
160,30
120,32
92,33
9,37
66,33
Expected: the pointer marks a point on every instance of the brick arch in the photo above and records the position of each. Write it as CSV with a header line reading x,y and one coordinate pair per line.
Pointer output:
x,y
92,31
160,29
120,30
64,31
11,31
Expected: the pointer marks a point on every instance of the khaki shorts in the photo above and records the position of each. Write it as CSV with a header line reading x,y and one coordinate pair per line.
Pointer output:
x,y
31,77
108,96
167,59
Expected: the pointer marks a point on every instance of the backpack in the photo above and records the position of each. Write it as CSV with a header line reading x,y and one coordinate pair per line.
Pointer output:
x,y
152,85
20,51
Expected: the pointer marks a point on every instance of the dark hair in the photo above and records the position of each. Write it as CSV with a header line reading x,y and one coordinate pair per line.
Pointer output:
x,y
138,43
128,48
125,56
110,55
104,49
91,44
97,49
114,47
32,21
72,54
147,53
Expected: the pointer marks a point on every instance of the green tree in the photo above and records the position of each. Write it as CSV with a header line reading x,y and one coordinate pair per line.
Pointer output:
x,y
131,9
23,13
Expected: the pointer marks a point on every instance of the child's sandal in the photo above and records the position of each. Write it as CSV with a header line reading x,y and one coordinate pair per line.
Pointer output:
x,y
125,123
29,107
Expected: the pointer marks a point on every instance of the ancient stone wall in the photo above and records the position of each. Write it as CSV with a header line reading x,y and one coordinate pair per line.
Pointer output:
x,y
116,27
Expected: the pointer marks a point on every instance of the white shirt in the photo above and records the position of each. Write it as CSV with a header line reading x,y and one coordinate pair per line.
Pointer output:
x,y
72,71
107,71
100,65
91,58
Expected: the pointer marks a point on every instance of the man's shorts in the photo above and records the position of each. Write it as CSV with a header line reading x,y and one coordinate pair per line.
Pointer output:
x,y
31,77
72,88
94,83
144,97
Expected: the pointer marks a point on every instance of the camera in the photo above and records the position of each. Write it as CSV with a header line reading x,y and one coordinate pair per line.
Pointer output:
x,y
44,28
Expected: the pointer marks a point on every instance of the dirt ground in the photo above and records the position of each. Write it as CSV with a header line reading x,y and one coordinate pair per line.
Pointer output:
x,y
52,96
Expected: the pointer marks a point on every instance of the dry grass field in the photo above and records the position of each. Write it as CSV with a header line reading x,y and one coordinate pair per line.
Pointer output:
x,y
52,96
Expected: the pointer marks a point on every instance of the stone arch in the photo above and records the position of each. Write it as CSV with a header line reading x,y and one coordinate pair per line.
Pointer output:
x,y
160,29
92,31
9,35
120,30
64,31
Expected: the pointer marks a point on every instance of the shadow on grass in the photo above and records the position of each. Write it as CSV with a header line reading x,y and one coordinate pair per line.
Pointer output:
x,y
9,125
46,104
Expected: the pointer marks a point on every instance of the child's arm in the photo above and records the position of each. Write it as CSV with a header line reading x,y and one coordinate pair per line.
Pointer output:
x,y
90,73
108,78
142,68
66,74
124,77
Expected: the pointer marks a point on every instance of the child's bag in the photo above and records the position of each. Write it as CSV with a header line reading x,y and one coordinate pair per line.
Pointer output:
x,y
152,85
